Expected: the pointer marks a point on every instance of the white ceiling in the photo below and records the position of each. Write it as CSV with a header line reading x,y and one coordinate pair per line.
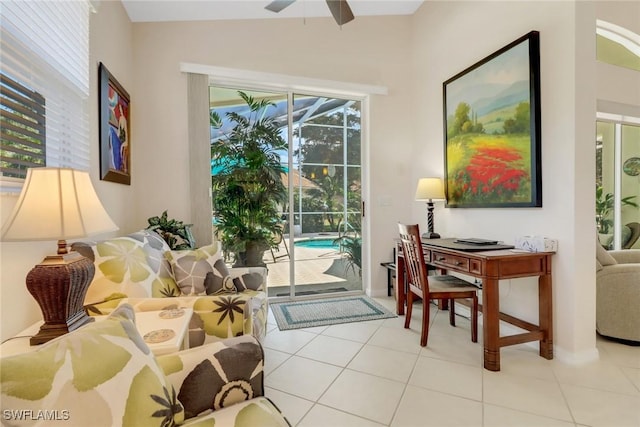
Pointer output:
x,y
205,10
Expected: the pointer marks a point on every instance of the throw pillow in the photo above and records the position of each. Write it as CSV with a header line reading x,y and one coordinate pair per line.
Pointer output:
x,y
249,278
230,371
606,240
102,374
130,266
201,271
604,257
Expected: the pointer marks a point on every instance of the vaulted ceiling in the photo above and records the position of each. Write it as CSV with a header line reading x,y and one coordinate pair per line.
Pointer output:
x,y
205,10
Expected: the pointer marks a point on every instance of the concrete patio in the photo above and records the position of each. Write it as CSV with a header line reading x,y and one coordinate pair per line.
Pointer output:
x,y
317,270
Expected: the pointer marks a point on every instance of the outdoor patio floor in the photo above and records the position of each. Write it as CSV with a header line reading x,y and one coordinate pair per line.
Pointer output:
x,y
317,270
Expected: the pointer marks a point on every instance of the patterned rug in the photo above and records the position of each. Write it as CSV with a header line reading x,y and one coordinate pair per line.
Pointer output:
x,y
328,311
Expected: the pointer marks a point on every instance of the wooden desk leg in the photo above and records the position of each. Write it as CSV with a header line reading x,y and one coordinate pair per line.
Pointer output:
x,y
545,315
401,295
490,324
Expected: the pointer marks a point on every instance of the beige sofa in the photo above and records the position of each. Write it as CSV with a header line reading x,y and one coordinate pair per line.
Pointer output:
x,y
618,294
141,269
103,374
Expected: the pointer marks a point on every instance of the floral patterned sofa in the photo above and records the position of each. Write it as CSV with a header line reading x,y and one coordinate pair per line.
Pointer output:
x,y
141,269
103,374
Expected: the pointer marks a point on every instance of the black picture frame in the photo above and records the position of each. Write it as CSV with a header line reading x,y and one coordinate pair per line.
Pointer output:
x,y
492,130
114,123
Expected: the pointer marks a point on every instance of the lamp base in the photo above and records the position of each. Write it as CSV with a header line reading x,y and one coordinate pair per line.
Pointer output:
x,y
430,235
59,284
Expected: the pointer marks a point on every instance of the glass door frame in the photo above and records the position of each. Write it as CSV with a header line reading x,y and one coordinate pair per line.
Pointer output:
x,y
618,121
364,155
292,208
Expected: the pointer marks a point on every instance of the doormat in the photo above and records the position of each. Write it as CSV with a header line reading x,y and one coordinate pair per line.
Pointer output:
x,y
328,311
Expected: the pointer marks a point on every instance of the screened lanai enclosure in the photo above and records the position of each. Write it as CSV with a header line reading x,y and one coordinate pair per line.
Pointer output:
x,y
319,249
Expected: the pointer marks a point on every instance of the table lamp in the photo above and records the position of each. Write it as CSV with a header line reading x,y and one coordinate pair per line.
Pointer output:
x,y
58,203
430,189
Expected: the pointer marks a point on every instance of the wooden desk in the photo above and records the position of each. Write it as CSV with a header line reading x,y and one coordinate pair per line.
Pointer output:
x,y
491,266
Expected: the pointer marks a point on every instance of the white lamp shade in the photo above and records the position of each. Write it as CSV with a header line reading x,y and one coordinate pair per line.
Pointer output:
x,y
56,204
430,189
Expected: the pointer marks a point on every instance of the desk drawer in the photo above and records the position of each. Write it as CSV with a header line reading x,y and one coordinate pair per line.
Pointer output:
x,y
475,266
451,261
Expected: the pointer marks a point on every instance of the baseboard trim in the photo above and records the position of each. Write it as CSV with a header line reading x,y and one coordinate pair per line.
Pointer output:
x,y
576,358
563,356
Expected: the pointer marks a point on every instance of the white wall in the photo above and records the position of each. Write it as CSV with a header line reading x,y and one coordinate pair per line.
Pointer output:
x,y
111,43
374,51
618,92
451,36
618,88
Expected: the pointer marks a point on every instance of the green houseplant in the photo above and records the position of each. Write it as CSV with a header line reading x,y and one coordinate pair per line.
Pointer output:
x,y
604,206
176,233
350,243
247,188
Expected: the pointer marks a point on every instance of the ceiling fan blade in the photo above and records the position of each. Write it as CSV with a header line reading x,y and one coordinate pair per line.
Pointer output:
x,y
341,11
278,5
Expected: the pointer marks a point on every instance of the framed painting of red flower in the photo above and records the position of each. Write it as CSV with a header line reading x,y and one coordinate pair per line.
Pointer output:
x,y
492,130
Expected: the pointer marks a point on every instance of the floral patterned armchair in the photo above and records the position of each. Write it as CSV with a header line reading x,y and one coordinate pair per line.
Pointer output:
x,y
103,374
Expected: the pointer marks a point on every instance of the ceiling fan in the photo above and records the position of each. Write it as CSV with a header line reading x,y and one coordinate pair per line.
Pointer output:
x,y
339,9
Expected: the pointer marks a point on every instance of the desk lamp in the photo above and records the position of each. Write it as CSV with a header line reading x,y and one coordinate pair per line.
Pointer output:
x,y
58,203
430,189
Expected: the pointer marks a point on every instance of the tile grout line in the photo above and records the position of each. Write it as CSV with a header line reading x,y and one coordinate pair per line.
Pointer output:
x,y
317,402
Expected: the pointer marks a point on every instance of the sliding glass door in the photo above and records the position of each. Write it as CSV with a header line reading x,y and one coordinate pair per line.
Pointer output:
x,y
618,184
320,249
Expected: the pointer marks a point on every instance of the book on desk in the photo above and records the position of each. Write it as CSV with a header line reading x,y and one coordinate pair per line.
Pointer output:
x,y
468,244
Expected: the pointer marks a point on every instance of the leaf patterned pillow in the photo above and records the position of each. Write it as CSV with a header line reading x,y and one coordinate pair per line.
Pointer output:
x,y
250,278
132,265
201,271
102,374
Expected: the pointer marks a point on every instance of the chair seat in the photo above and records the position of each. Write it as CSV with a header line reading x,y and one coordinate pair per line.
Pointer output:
x,y
449,284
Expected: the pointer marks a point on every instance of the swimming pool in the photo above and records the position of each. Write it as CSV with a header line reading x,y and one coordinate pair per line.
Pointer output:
x,y
321,243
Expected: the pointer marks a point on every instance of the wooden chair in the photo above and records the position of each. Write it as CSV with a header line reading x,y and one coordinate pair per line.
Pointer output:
x,y
443,287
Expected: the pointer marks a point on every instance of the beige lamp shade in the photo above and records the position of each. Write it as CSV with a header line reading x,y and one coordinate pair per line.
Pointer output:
x,y
430,189
56,204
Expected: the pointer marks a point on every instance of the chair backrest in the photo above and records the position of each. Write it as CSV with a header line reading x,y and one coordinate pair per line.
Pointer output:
x,y
414,256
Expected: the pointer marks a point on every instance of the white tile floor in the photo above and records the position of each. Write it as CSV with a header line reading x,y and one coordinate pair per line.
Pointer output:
x,y
376,374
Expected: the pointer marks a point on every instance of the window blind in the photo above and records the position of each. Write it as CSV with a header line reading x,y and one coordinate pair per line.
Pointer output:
x,y
22,128
44,49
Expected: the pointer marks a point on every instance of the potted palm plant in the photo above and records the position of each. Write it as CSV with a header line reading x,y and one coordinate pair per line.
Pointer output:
x,y
247,188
